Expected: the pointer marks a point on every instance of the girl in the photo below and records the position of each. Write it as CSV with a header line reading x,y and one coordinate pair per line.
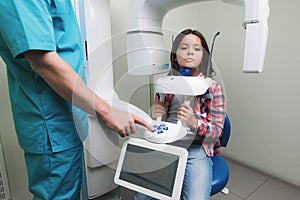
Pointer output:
x,y
204,116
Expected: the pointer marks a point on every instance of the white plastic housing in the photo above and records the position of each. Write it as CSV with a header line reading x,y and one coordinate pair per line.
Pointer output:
x,y
172,134
183,85
146,54
256,25
94,18
255,47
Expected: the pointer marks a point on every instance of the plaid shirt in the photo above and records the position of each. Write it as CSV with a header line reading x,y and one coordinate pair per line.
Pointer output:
x,y
210,112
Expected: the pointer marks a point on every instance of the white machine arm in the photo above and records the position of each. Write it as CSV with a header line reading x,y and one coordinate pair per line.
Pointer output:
x,y
256,26
147,54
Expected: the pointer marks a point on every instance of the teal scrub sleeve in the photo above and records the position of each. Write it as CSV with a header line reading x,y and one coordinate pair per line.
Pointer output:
x,y
25,25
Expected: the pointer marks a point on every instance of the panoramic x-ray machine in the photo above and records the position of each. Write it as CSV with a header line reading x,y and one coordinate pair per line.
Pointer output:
x,y
146,56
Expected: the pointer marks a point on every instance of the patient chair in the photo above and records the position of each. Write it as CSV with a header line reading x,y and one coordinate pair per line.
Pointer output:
x,y
220,167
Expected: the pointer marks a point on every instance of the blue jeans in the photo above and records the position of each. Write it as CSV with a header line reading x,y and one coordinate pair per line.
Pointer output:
x,y
197,178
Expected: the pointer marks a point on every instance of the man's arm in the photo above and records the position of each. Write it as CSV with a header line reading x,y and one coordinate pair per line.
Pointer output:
x,y
65,81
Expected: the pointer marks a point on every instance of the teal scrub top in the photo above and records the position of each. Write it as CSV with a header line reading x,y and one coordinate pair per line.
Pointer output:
x,y
38,111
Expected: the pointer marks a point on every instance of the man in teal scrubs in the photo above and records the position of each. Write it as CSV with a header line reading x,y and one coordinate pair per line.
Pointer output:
x,y
41,45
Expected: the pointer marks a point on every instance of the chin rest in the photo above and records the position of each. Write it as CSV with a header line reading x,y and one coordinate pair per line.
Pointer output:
x,y
220,167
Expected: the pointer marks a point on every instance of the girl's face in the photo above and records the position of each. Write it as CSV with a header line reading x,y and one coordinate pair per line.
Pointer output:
x,y
190,52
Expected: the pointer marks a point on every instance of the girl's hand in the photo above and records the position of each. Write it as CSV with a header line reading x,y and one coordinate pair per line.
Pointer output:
x,y
186,115
158,110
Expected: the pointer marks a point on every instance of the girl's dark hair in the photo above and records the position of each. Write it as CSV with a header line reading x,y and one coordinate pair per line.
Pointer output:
x,y
202,68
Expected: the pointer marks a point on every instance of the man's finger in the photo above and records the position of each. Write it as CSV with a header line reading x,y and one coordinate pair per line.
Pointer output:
x,y
142,122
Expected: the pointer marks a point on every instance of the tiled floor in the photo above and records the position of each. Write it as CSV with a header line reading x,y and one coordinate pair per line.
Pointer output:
x,y
244,184
248,184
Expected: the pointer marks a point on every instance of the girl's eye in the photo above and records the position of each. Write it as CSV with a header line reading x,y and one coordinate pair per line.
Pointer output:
x,y
183,48
197,49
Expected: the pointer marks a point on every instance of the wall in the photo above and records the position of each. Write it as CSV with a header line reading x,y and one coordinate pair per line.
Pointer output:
x,y
13,155
263,108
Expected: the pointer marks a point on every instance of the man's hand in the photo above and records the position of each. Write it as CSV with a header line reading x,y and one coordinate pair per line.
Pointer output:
x,y
123,122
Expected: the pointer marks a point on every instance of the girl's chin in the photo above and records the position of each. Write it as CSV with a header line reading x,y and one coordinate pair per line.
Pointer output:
x,y
189,66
